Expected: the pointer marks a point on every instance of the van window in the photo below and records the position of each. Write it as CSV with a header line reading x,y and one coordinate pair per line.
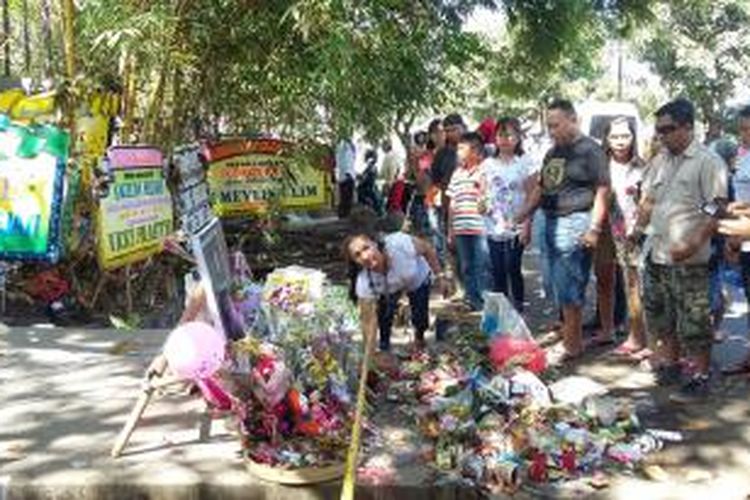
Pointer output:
x,y
599,123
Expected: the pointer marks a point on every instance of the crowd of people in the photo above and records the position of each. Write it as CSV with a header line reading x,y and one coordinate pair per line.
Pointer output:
x,y
663,227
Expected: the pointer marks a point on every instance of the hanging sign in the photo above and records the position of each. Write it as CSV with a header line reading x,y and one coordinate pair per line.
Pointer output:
x,y
191,196
247,176
32,166
135,215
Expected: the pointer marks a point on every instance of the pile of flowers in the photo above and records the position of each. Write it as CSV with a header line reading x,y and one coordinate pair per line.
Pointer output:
x,y
497,425
294,374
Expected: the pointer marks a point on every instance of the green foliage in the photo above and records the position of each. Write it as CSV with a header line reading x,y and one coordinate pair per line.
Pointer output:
x,y
701,49
552,44
317,69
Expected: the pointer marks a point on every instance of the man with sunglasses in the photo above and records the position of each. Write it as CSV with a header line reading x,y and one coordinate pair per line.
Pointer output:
x,y
682,177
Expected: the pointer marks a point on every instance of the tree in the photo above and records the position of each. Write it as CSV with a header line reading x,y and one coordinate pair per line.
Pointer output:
x,y
312,68
549,45
701,49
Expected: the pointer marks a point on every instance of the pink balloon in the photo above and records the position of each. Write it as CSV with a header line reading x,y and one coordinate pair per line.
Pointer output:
x,y
195,350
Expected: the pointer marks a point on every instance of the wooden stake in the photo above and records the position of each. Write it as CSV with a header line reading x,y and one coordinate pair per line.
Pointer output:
x,y
368,320
103,278
157,369
128,291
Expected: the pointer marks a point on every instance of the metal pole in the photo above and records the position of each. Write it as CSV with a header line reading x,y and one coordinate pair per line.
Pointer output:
x,y
619,70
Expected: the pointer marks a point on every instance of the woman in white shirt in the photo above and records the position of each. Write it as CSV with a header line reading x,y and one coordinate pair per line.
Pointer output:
x,y
382,270
508,185
626,173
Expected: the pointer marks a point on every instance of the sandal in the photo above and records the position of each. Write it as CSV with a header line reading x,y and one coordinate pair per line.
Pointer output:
x,y
626,350
643,354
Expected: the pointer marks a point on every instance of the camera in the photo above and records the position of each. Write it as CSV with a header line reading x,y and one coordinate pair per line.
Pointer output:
x,y
717,208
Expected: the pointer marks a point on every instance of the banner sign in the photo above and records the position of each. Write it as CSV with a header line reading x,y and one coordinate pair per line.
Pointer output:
x,y
135,216
246,176
32,168
191,197
43,107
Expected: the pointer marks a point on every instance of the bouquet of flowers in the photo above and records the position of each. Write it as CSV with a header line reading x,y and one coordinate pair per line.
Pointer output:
x,y
295,373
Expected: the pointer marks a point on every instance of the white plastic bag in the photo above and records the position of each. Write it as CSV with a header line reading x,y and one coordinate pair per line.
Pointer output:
x,y
499,317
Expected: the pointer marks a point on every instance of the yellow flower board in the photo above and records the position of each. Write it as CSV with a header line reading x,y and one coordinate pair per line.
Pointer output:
x,y
135,217
247,176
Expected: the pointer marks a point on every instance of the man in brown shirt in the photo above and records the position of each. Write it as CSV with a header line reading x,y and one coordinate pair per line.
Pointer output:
x,y
681,178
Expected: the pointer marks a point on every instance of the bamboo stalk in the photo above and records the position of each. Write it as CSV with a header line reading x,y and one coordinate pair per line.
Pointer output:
x,y
6,38
68,11
46,19
154,105
129,77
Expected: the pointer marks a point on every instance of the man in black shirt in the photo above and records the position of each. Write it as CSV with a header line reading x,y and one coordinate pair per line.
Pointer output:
x,y
572,189
441,170
446,158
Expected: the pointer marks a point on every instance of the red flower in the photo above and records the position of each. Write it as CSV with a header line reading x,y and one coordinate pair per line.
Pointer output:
x,y
265,366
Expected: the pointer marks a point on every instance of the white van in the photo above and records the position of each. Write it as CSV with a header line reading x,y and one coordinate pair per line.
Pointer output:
x,y
594,116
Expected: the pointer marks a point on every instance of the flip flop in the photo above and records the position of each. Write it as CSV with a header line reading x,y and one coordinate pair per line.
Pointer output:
x,y
627,351
643,354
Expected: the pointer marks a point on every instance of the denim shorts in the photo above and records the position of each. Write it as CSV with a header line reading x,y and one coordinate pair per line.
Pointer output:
x,y
568,259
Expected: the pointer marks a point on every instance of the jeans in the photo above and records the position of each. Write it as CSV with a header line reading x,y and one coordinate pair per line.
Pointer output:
x,y
473,259
420,223
419,303
569,261
436,223
367,194
346,197
505,259
540,240
745,271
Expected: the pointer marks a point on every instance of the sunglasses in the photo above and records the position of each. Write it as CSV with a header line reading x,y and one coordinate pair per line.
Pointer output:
x,y
666,129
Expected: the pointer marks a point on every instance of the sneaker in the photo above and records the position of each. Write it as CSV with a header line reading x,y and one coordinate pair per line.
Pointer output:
x,y
695,390
666,375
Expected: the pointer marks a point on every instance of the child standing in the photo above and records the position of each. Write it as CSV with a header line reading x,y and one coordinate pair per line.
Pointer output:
x,y
466,231
508,185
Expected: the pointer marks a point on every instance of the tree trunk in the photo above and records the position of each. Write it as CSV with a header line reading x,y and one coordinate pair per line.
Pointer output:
x,y
714,125
49,64
6,38
26,39
403,129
